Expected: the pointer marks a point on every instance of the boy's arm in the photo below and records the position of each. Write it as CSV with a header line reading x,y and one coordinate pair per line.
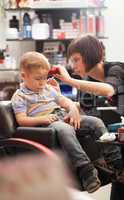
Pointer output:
x,y
24,120
73,112
19,105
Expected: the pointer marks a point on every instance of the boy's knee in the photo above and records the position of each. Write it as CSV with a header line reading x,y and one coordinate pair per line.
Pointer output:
x,y
67,129
98,122
62,127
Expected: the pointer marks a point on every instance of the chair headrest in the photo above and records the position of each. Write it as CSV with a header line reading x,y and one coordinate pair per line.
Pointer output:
x,y
7,119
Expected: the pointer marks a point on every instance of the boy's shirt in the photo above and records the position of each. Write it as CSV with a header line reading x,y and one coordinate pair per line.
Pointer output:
x,y
35,103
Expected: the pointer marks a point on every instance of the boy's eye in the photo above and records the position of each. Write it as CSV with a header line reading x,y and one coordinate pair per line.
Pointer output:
x,y
41,78
76,60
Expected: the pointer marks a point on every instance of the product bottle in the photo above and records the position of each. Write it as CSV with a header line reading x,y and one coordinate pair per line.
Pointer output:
x,y
14,22
60,54
26,26
82,22
13,4
47,18
74,21
99,24
35,19
91,23
8,58
1,58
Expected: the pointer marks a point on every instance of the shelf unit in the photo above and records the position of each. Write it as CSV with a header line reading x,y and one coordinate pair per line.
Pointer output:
x,y
46,40
59,8
57,12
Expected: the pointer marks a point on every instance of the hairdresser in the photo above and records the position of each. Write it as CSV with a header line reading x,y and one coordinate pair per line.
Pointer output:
x,y
86,56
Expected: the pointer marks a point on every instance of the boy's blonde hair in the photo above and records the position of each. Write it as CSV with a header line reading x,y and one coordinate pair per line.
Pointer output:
x,y
32,60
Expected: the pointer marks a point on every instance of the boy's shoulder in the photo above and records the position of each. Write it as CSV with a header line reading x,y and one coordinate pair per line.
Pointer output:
x,y
18,94
51,88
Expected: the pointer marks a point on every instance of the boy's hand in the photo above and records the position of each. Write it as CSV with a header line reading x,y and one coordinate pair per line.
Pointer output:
x,y
54,83
51,118
73,117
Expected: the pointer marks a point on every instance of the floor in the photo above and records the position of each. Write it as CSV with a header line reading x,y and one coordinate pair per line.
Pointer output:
x,y
102,194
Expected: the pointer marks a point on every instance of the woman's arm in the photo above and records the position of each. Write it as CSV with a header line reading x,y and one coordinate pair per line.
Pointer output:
x,y
96,88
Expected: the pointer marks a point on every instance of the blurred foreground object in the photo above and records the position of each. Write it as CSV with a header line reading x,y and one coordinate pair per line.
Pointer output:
x,y
33,177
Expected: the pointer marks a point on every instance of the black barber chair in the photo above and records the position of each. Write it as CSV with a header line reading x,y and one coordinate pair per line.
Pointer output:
x,y
9,130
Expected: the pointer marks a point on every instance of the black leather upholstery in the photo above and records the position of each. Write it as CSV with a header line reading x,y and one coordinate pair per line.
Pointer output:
x,y
10,128
7,120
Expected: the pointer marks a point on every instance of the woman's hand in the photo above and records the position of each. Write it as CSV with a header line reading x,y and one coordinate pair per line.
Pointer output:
x,y
54,84
63,74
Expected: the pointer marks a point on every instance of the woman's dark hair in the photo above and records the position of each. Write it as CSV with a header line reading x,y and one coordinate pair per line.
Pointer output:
x,y
90,48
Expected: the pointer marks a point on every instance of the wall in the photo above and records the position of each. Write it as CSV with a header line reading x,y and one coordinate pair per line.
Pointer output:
x,y
115,30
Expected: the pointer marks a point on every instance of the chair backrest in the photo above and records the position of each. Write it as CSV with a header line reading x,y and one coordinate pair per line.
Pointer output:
x,y
121,99
7,119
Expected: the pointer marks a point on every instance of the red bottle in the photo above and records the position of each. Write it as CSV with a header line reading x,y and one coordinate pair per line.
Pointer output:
x,y
121,134
18,1
99,25
91,27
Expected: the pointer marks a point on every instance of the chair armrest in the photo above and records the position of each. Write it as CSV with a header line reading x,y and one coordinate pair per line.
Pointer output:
x,y
106,108
109,114
110,142
45,136
28,144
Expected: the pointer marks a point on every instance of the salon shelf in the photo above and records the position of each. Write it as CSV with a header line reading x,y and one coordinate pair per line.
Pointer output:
x,y
47,40
58,7
31,39
65,10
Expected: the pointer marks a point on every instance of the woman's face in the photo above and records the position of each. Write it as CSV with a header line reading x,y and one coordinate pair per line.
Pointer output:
x,y
77,64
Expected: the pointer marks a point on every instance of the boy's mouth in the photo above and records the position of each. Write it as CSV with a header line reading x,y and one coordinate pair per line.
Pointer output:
x,y
41,88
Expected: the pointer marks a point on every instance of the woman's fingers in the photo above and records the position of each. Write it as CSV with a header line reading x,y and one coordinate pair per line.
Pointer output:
x,y
63,74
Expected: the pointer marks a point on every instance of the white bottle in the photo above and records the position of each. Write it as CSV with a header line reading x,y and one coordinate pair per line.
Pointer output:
x,y
35,19
8,61
7,58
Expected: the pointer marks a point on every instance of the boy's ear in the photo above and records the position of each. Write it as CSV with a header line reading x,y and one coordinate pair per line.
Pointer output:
x,y
22,75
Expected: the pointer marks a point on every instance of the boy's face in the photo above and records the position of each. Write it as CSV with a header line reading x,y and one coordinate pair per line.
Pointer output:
x,y
35,79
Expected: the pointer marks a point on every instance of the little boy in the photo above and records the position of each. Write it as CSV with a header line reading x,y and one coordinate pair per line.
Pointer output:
x,y
36,103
